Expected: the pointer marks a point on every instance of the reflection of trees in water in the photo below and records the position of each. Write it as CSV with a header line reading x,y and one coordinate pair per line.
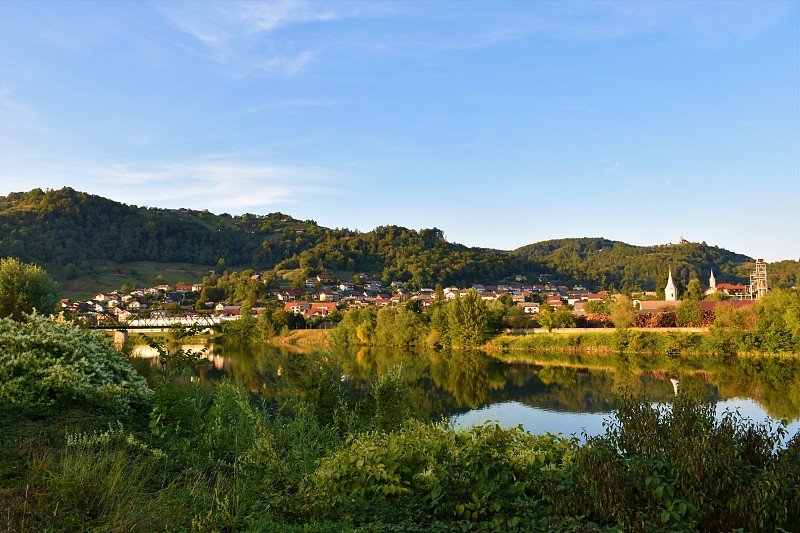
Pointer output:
x,y
577,390
444,382
772,382
468,375
275,374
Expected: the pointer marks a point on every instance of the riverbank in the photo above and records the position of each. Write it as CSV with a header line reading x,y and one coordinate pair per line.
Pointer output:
x,y
675,341
649,341
307,339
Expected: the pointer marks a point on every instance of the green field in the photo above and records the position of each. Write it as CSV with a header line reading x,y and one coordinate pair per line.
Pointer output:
x,y
110,275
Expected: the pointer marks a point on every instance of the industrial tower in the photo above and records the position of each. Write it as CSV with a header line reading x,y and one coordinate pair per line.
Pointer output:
x,y
758,280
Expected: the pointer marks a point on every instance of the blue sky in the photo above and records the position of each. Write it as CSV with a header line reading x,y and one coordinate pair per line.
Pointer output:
x,y
502,123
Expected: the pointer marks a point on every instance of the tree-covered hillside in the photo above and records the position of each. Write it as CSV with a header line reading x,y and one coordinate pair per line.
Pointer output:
x,y
420,258
612,263
69,232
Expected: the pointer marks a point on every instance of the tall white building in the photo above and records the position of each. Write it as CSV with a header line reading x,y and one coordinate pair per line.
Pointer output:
x,y
670,291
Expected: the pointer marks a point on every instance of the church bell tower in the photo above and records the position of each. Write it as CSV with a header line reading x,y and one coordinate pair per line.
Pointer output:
x,y
670,291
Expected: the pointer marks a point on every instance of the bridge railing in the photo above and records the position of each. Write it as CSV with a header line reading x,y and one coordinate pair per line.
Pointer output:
x,y
110,321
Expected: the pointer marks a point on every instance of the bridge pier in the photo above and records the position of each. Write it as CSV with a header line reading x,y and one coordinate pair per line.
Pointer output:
x,y
120,338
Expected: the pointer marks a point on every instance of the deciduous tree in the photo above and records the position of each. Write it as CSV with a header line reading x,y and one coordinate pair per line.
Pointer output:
x,y
467,320
622,313
25,288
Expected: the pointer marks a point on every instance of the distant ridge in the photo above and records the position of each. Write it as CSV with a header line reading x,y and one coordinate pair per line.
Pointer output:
x,y
70,232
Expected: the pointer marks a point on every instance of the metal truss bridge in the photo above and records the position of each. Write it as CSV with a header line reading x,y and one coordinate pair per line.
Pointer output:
x,y
108,321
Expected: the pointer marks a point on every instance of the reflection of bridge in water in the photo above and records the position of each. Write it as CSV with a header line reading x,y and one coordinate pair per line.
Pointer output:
x,y
150,323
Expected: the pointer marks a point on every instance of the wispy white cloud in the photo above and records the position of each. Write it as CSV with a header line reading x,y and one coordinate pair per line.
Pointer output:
x,y
691,22
75,30
694,21
241,35
215,184
21,114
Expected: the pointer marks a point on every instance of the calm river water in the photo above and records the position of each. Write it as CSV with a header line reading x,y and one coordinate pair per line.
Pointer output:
x,y
557,393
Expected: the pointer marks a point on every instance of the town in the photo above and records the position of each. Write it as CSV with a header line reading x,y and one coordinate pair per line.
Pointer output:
x,y
322,299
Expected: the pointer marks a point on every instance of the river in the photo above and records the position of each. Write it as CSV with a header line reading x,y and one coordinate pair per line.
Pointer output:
x,y
571,394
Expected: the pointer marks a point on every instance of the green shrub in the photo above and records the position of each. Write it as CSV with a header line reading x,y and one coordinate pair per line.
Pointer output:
x,y
423,472
48,362
679,468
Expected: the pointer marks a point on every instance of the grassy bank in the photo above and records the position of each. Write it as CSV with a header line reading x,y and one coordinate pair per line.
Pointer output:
x,y
715,341
307,339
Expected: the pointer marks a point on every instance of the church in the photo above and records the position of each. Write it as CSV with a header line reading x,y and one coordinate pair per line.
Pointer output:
x,y
670,297
734,292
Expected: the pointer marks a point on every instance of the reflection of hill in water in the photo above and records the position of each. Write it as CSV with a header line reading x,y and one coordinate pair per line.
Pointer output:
x,y
772,382
443,383
574,390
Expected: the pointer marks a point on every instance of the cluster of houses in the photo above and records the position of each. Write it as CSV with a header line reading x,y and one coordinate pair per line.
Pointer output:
x,y
323,295
124,305
346,294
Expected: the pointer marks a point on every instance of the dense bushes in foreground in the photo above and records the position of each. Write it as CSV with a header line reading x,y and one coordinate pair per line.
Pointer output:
x,y
218,463
210,459
48,362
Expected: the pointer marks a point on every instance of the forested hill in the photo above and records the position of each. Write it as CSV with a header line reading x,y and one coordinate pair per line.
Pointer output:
x,y
70,233
65,229
613,263
420,258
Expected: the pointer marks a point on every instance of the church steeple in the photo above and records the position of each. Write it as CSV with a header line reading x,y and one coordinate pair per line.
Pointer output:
x,y
670,291
712,281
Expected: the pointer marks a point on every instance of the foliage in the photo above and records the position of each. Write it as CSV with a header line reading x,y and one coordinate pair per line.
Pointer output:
x,y
422,472
615,264
389,400
622,313
560,318
563,318
598,307
216,460
545,317
48,362
728,317
779,321
177,361
104,477
417,258
461,322
694,291
398,327
679,468
466,320
243,329
66,227
25,289
688,313
70,232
